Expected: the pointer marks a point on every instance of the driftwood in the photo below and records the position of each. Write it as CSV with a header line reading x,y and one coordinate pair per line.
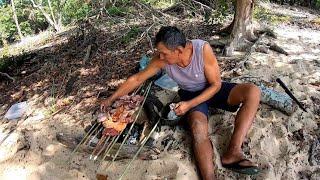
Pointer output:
x,y
126,152
277,100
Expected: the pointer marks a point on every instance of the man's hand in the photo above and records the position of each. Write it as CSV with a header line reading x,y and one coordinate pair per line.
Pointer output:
x,y
105,104
182,108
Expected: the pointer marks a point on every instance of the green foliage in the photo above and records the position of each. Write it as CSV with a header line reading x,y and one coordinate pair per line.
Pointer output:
x,y
117,11
318,4
7,26
31,19
74,10
219,13
160,3
133,33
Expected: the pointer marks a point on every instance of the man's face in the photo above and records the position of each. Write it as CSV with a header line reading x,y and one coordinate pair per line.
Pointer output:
x,y
168,55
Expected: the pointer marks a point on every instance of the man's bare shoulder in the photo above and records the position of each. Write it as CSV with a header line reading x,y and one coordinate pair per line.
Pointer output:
x,y
157,62
208,53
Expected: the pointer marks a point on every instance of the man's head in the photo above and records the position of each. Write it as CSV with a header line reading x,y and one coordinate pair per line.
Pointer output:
x,y
170,42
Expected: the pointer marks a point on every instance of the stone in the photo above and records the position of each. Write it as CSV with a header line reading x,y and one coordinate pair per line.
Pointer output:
x,y
314,158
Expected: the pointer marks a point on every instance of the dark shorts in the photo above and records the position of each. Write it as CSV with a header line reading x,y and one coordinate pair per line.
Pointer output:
x,y
219,100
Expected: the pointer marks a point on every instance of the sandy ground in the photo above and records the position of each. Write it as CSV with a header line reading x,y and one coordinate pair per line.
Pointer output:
x,y
279,143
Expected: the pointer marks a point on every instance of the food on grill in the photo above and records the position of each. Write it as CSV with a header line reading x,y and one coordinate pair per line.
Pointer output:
x,y
120,114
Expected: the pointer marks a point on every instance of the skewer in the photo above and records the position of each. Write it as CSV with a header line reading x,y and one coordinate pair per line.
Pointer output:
x,y
85,137
102,149
140,148
107,151
114,139
131,127
98,146
101,128
135,92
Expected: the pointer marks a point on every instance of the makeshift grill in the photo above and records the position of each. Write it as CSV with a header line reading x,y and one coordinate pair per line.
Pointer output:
x,y
112,125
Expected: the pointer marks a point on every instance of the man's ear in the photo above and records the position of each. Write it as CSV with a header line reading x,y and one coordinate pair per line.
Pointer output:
x,y
180,49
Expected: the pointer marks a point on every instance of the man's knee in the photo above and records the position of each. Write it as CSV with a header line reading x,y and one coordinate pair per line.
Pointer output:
x,y
199,130
252,93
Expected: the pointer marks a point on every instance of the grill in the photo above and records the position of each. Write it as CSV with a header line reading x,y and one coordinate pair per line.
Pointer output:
x,y
108,140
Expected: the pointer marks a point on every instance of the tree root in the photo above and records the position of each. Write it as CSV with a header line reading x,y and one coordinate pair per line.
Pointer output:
x,y
244,43
273,46
7,75
227,30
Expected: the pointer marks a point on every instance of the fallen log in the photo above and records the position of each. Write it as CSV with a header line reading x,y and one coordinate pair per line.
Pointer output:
x,y
278,100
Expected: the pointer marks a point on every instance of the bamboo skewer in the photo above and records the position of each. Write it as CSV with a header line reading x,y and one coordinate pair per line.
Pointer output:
x,y
101,128
103,141
114,139
107,151
131,127
95,130
92,129
140,148
102,149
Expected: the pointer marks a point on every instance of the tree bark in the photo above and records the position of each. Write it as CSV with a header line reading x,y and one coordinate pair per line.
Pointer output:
x,y
16,19
242,27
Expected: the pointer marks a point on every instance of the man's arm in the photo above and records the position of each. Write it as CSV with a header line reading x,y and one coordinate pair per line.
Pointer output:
x,y
134,81
212,73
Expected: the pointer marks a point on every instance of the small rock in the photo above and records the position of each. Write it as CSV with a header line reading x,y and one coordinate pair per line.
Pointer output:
x,y
314,158
101,177
298,135
315,175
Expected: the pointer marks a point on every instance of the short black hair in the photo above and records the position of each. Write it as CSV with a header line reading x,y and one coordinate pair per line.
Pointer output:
x,y
171,37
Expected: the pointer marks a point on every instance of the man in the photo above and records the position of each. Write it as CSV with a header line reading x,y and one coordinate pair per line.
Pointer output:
x,y
193,65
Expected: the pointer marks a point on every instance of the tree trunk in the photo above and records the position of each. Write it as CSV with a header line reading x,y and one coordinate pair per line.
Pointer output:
x,y
61,4
51,11
242,30
16,19
47,16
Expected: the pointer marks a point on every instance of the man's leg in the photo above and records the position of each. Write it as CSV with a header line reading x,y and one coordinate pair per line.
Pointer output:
x,y
249,96
202,147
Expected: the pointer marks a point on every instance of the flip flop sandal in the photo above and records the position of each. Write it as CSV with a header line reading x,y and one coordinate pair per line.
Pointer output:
x,y
250,170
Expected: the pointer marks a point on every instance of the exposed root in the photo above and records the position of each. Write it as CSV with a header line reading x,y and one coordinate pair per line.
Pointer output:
x,y
7,75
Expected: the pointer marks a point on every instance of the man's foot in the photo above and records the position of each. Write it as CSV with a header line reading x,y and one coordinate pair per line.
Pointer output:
x,y
239,164
243,169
